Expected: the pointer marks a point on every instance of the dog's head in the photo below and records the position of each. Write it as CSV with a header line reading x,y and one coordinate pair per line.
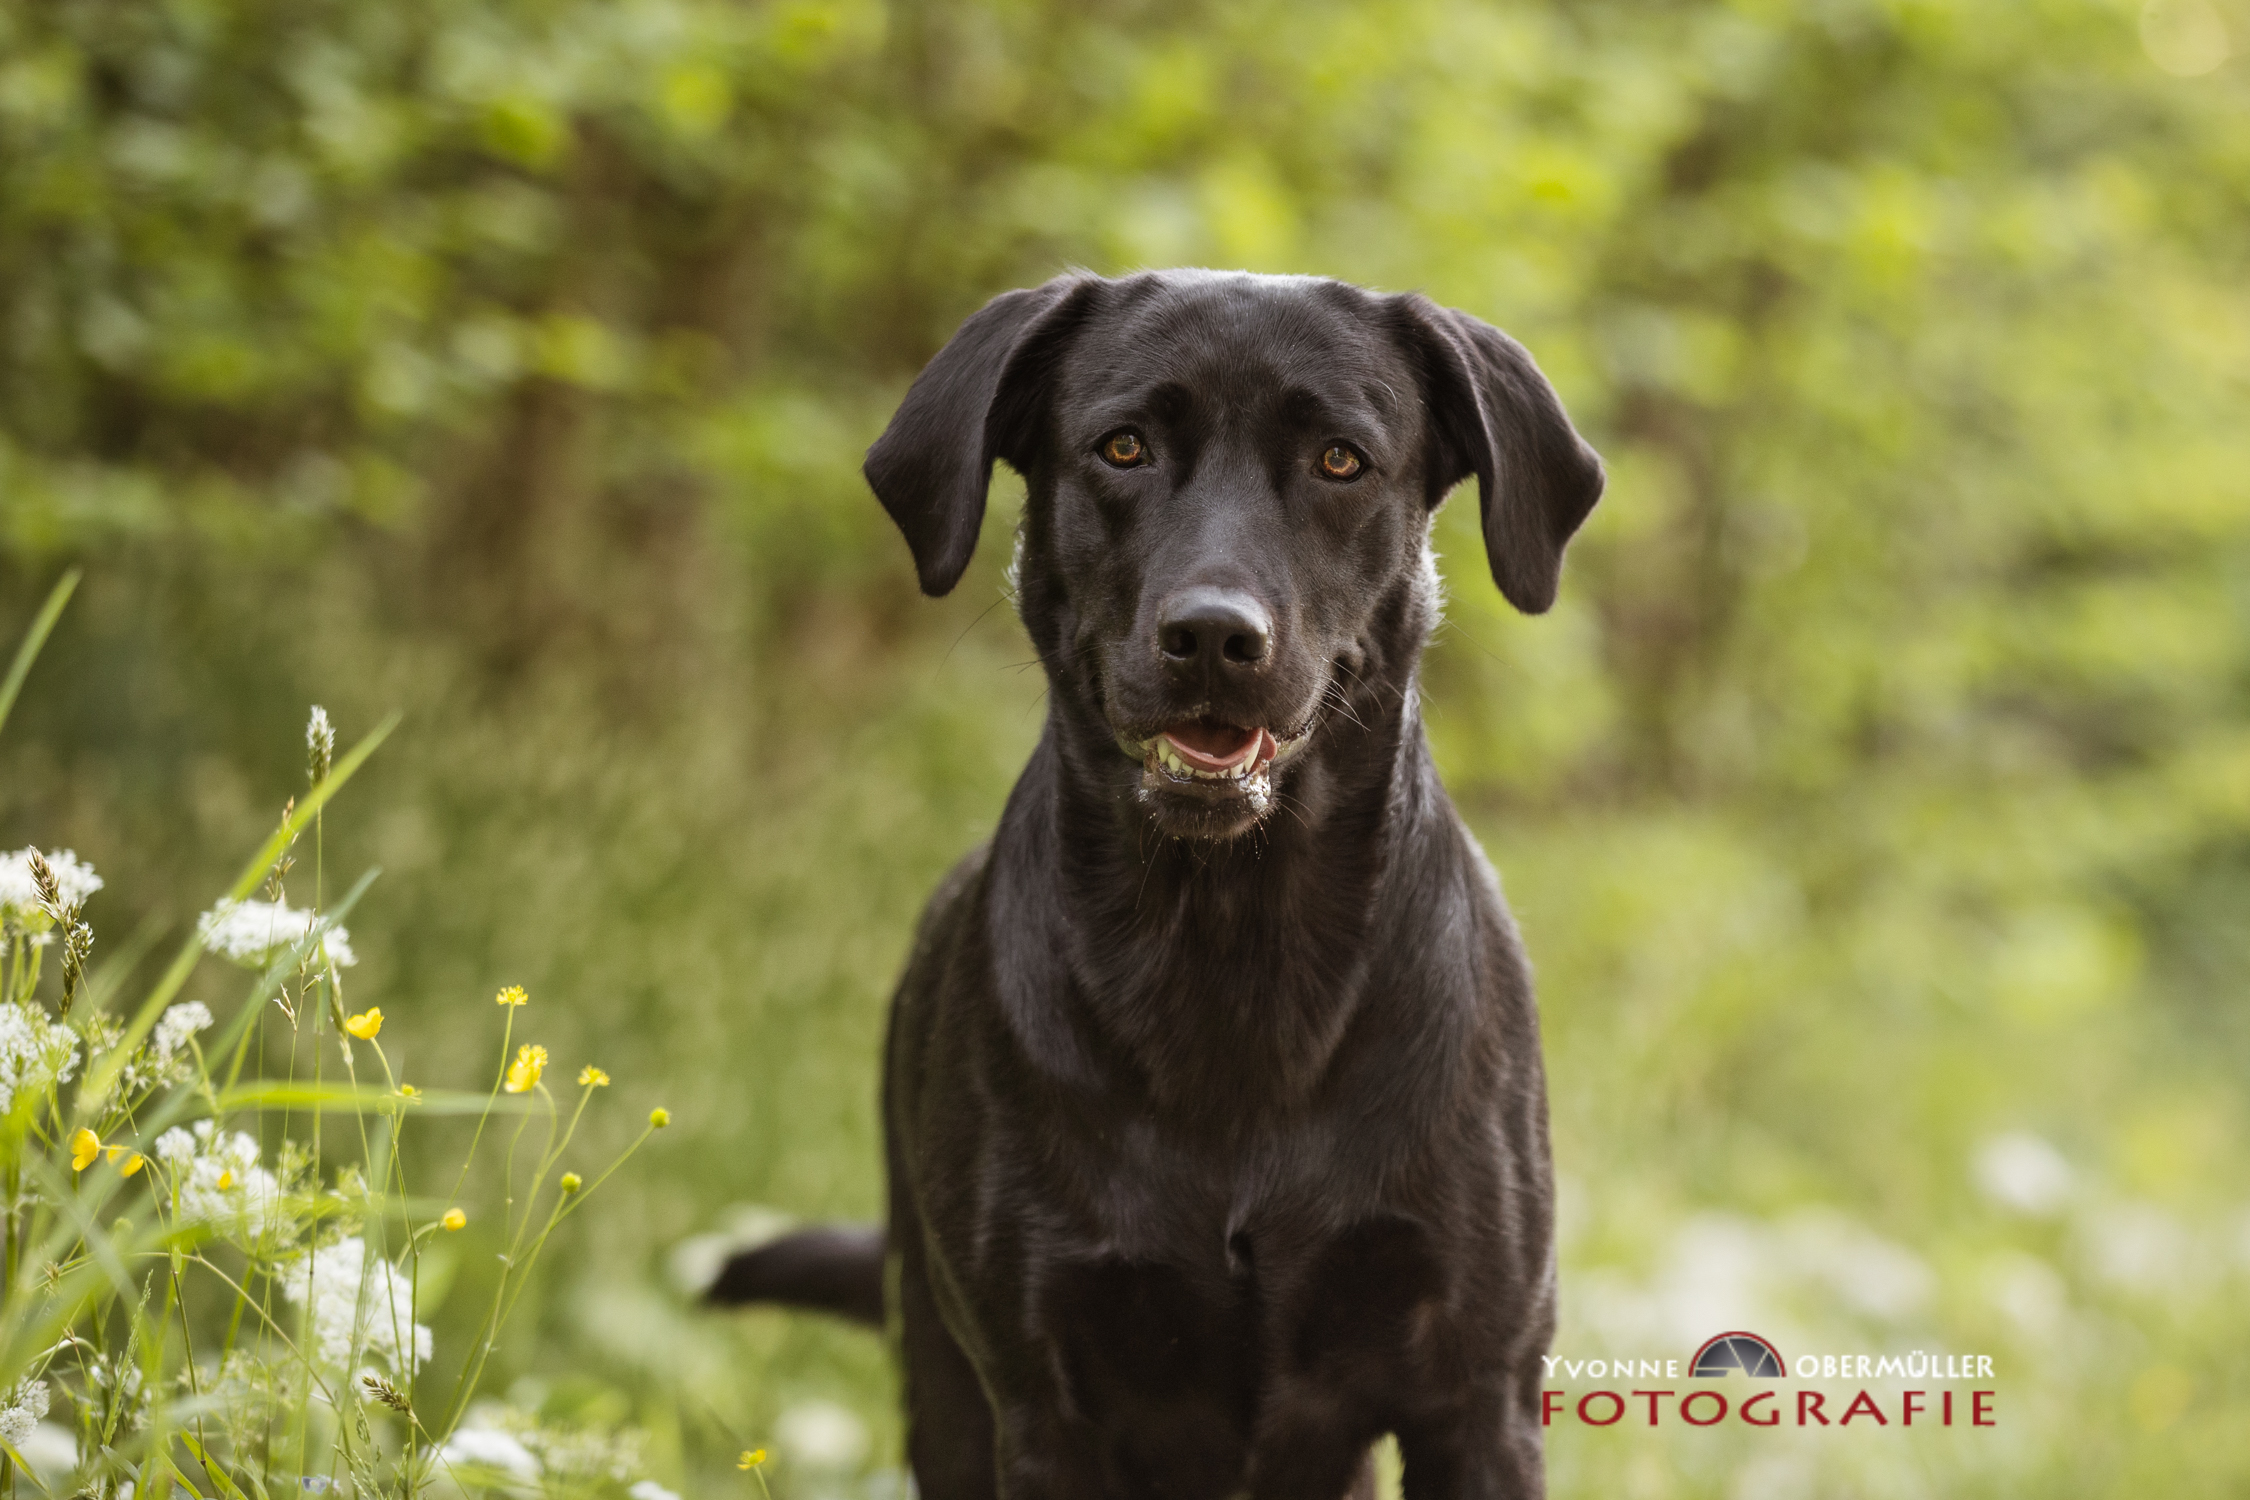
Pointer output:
x,y
1231,481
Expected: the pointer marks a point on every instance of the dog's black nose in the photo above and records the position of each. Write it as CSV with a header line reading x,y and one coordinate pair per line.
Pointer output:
x,y
1212,627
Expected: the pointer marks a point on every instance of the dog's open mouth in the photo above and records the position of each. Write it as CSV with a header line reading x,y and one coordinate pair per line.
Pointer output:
x,y
1204,750
1212,752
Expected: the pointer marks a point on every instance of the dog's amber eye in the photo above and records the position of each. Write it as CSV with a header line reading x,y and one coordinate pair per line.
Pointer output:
x,y
1340,462
1124,449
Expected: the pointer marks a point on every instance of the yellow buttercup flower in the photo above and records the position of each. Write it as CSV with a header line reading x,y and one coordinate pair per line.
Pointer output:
x,y
409,1091
659,1117
454,1218
571,1183
591,1077
226,1179
512,995
751,1458
365,1024
530,1062
86,1148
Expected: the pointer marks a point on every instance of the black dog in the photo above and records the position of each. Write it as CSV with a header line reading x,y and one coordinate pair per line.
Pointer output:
x,y
1216,1125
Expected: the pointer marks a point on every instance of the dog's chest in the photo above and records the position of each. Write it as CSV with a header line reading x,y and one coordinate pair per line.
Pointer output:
x,y
1191,1368
1210,1312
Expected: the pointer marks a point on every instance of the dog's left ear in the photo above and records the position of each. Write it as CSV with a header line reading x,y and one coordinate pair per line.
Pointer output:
x,y
971,404
1495,416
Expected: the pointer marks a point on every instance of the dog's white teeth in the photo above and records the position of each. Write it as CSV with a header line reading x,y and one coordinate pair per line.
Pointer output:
x,y
1163,755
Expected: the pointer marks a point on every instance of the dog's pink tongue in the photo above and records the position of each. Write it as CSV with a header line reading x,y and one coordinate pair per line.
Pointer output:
x,y
1215,747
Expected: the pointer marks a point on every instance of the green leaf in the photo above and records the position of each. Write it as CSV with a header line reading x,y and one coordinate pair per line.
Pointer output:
x,y
364,1099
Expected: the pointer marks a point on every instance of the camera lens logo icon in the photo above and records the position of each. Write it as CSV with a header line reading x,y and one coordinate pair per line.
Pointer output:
x,y
1746,1352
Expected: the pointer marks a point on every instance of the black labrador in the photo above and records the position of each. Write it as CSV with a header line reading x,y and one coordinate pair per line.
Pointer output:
x,y
1217,1130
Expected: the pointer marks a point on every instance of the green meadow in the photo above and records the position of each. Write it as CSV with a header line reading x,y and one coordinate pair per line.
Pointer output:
x,y
1875,802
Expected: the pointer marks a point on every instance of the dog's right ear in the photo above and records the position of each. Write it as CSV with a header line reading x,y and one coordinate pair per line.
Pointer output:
x,y
970,405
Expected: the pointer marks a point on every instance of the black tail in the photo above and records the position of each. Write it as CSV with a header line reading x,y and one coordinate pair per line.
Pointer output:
x,y
830,1269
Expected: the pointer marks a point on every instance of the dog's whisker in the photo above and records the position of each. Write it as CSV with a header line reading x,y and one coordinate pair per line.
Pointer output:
x,y
1334,693
964,635
1344,707
1294,808
1148,867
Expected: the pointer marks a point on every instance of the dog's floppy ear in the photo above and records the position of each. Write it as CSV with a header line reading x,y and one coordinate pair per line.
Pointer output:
x,y
970,405
1495,416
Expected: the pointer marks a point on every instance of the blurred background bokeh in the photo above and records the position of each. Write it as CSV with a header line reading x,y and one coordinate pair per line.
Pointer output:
x,y
1876,801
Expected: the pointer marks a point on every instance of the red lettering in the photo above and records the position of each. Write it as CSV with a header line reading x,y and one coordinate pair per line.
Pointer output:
x,y
1863,1405
1652,1395
1813,1401
1617,1405
1978,1410
1912,1402
1695,1396
1949,1408
1547,1400
1743,1411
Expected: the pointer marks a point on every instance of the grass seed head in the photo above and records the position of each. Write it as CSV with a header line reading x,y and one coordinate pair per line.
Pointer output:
x,y
379,1389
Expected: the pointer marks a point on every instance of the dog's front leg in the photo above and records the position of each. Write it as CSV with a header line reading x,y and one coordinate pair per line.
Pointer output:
x,y
1314,1462
1043,1454
1492,1450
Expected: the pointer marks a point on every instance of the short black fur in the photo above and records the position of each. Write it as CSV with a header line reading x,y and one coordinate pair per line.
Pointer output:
x,y
1215,1119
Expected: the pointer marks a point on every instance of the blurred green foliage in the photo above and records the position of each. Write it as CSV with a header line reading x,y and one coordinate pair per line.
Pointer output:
x,y
1876,802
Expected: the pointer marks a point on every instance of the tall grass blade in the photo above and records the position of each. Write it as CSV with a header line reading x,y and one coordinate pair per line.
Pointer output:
x,y
103,1075
35,638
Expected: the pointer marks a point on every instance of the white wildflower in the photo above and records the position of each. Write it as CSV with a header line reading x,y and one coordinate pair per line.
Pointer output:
x,y
178,1024
51,1452
219,1179
35,1053
123,1394
27,1403
821,1435
19,895
253,932
320,743
243,1391
2021,1171
352,1293
586,1453
491,1450
121,1371
649,1489
569,1457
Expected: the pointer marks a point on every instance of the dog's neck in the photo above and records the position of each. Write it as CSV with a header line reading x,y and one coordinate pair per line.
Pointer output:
x,y
1219,975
